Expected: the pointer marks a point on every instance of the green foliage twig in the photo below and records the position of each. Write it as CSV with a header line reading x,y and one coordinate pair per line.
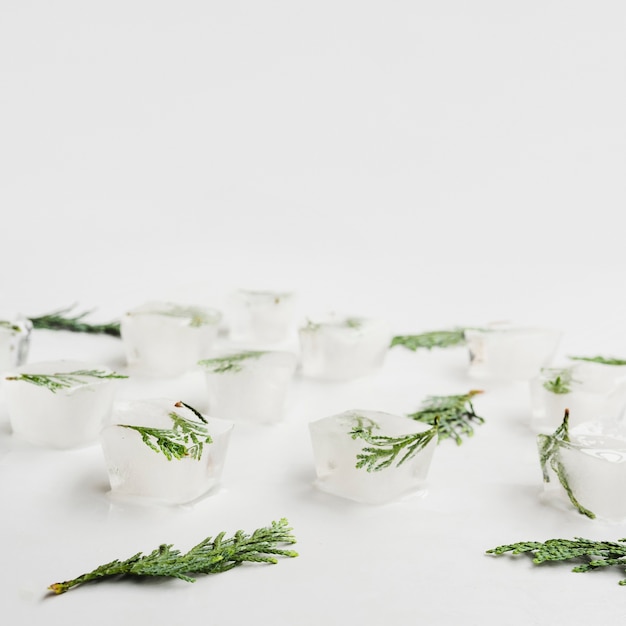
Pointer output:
x,y
186,438
64,380
599,359
231,363
454,414
549,446
561,380
383,450
430,340
593,554
210,556
62,320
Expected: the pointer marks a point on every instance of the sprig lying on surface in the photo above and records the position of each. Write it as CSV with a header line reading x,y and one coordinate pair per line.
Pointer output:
x,y
64,380
186,438
593,554
549,455
383,450
599,359
61,320
210,556
430,340
454,414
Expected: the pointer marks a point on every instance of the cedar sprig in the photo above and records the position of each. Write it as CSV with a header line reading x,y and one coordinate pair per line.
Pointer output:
x,y
62,320
64,380
430,340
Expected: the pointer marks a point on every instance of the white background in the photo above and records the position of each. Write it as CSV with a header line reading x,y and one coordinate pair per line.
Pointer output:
x,y
437,163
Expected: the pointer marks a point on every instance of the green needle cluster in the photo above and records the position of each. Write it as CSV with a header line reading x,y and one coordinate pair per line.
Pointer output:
x,y
561,380
382,450
431,339
210,556
455,415
61,320
231,363
64,380
599,359
593,554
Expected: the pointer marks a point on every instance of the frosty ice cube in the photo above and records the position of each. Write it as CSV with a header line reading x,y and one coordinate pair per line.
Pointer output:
x,y
249,386
14,341
167,339
370,456
589,469
163,451
60,404
264,317
581,389
343,348
505,352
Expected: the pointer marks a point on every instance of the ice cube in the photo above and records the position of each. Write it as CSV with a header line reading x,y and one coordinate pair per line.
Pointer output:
x,y
261,317
60,404
15,333
159,451
249,386
594,465
502,351
167,339
578,388
337,451
343,348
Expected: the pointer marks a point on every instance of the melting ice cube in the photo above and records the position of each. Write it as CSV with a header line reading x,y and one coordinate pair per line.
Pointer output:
x,y
263,317
343,348
501,351
166,339
593,463
14,341
249,386
354,455
163,451
60,404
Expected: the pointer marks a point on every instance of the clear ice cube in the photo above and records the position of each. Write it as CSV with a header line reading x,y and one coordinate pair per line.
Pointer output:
x,y
505,352
261,317
594,463
167,339
343,348
143,473
336,453
15,334
60,404
588,393
249,386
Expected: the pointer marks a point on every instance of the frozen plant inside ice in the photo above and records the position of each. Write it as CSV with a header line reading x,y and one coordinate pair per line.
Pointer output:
x,y
264,317
371,456
160,450
587,466
15,332
167,339
249,386
60,404
343,348
507,352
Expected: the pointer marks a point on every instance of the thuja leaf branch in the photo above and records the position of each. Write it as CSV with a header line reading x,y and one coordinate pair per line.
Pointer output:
x,y
549,446
430,340
592,554
599,359
231,363
62,320
561,381
210,556
382,451
186,438
64,380
454,414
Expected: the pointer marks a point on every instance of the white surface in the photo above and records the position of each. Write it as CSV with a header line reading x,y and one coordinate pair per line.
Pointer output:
x,y
433,163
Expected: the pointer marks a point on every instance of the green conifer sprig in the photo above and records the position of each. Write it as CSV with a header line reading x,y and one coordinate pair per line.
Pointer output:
x,y
64,380
430,340
594,555
62,320
455,415
210,556
382,450
560,382
549,446
599,359
186,438
231,363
